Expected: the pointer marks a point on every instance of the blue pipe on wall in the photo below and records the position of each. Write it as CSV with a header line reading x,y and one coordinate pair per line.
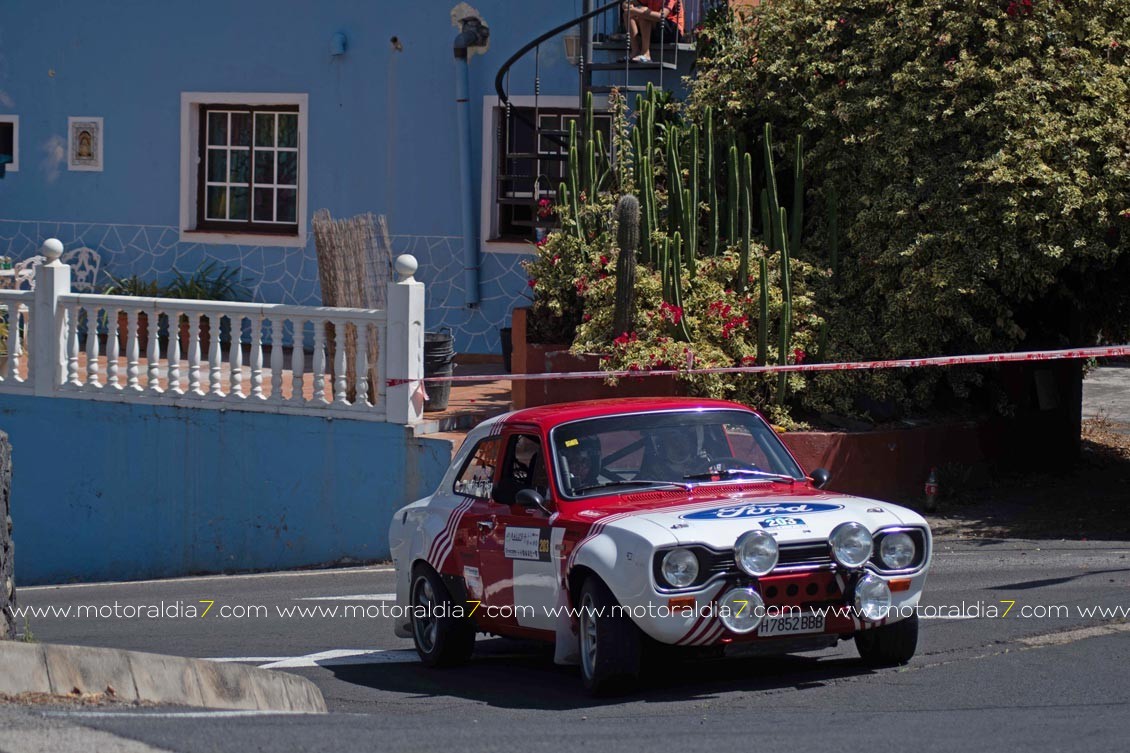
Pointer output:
x,y
470,36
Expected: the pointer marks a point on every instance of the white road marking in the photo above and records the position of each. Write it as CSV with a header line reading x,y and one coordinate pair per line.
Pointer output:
x,y
196,579
1070,636
172,714
334,658
348,657
354,597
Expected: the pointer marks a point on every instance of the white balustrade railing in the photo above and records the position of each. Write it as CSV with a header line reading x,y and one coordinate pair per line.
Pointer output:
x,y
15,322
358,363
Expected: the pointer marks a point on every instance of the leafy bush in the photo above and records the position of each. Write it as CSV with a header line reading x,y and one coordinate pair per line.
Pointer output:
x,y
979,156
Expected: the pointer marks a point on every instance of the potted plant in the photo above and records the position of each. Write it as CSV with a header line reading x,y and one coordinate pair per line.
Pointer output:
x,y
210,282
132,286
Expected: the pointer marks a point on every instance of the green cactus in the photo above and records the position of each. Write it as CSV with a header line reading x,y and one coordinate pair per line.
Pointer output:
x,y
746,208
574,180
771,185
766,221
691,206
712,184
681,331
732,200
763,319
650,256
786,307
675,211
690,250
628,238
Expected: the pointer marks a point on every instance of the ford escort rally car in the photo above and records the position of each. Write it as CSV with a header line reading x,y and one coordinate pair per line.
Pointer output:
x,y
602,526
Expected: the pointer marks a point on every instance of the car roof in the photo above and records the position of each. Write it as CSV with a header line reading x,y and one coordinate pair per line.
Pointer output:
x,y
548,416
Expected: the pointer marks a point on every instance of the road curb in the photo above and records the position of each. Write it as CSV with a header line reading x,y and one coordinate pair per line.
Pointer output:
x,y
152,678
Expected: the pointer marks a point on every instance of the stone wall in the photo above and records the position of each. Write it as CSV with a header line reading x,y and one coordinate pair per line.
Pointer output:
x,y
7,551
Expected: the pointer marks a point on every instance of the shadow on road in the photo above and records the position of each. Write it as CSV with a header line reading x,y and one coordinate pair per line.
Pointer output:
x,y
1084,498
509,674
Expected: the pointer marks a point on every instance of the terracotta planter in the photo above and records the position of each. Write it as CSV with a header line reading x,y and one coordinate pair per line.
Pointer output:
x,y
541,358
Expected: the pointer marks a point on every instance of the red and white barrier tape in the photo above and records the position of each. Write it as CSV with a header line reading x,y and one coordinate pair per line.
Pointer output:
x,y
901,363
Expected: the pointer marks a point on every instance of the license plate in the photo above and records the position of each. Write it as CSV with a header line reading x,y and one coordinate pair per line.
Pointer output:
x,y
792,624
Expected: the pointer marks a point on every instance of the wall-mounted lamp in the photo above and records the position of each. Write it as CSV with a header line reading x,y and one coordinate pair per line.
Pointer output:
x,y
337,44
572,48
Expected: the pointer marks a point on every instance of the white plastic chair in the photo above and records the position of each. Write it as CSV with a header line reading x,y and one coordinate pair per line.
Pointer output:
x,y
25,271
85,263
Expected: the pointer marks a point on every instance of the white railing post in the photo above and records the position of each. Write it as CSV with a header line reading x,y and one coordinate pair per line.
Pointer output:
x,y
48,353
404,401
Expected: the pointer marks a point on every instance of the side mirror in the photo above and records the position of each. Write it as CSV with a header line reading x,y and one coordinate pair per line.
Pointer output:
x,y
529,498
821,477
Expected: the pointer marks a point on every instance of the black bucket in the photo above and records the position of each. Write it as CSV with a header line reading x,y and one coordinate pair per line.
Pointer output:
x,y
439,361
507,348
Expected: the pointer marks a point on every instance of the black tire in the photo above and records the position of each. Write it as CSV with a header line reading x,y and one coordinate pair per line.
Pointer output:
x,y
611,645
889,645
441,641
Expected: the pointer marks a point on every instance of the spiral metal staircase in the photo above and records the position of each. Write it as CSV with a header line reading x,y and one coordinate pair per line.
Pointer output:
x,y
532,142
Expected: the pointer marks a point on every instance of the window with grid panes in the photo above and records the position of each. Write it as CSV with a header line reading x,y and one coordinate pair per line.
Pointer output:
x,y
248,176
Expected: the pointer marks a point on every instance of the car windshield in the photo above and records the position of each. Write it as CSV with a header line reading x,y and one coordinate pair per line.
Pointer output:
x,y
616,453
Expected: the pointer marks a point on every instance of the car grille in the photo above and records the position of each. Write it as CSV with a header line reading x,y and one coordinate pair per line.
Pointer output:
x,y
793,556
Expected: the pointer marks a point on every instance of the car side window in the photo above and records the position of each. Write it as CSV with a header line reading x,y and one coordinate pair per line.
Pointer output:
x,y
524,469
476,478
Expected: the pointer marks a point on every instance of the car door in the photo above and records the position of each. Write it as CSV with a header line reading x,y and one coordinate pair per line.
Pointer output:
x,y
455,552
518,548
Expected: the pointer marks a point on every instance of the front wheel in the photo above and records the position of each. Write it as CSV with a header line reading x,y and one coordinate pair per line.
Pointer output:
x,y
611,644
442,639
889,645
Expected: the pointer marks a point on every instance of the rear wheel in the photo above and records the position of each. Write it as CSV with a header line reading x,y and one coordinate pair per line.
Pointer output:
x,y
889,645
442,639
611,645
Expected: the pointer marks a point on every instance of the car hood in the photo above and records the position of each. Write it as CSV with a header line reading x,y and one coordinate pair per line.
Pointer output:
x,y
806,516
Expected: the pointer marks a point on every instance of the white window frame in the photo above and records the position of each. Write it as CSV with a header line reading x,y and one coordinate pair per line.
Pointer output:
x,y
14,167
190,103
492,114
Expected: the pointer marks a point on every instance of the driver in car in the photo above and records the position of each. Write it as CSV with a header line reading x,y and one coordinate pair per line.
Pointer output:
x,y
582,462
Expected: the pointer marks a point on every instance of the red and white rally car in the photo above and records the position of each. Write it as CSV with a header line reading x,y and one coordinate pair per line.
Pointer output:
x,y
600,525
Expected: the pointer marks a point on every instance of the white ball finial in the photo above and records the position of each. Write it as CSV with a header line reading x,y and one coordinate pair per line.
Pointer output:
x,y
406,266
52,249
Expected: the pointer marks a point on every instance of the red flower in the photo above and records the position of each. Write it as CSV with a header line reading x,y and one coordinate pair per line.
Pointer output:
x,y
586,317
532,282
799,355
625,339
749,360
670,312
1013,9
603,260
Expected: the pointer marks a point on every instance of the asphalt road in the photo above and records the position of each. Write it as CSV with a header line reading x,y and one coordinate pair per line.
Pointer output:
x,y
978,683
1106,392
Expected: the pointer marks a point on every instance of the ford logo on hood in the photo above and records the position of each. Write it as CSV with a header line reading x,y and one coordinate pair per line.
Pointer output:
x,y
759,511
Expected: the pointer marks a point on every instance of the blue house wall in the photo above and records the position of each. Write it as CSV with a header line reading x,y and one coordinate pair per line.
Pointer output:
x,y
382,131
119,491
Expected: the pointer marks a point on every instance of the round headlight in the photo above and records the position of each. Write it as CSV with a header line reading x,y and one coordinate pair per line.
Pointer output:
x,y
680,567
872,598
741,610
851,544
756,552
897,550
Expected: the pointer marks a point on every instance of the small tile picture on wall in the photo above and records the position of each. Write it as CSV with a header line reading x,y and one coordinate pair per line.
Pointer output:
x,y
84,144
